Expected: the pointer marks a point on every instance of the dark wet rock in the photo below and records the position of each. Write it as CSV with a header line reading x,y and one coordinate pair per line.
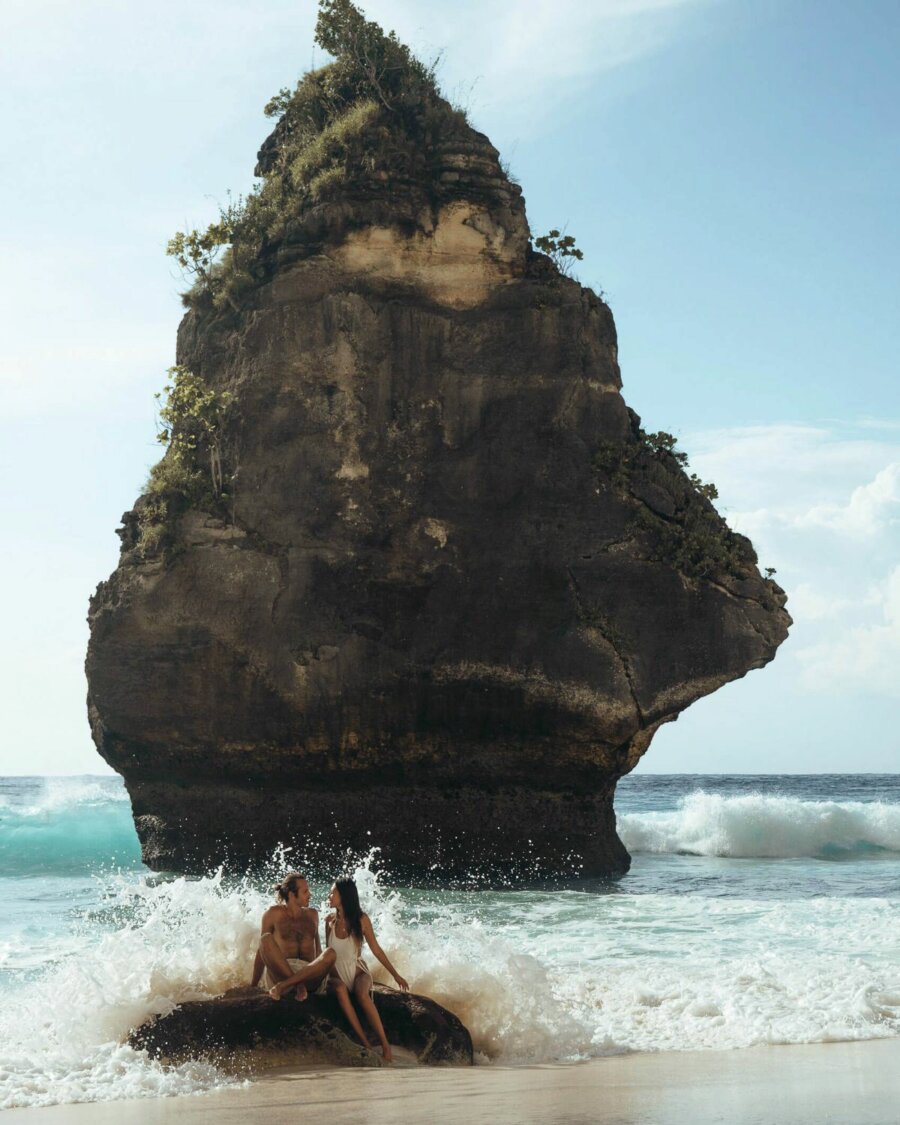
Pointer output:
x,y
245,1024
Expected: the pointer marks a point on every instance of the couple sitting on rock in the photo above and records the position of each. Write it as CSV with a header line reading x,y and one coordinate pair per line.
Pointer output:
x,y
290,957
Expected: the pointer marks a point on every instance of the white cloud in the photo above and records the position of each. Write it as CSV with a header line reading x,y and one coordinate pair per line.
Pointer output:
x,y
527,56
821,504
791,463
864,658
869,423
872,507
798,476
809,604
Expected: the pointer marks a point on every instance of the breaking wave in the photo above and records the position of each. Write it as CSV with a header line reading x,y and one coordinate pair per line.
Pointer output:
x,y
762,826
68,825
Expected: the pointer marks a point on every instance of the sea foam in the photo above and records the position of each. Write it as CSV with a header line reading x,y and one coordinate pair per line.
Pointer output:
x,y
535,976
152,945
764,826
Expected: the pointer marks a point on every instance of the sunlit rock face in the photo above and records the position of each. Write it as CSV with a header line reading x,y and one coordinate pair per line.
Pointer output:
x,y
435,614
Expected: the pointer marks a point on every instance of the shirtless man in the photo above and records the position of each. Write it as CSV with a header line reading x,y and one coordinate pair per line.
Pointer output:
x,y
290,954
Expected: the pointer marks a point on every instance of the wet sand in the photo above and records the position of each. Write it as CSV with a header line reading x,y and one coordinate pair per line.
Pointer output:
x,y
820,1084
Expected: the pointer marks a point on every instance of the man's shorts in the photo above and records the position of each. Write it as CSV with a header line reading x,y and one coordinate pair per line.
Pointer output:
x,y
296,965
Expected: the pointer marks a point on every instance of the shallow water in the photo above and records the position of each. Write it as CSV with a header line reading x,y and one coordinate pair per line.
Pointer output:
x,y
758,910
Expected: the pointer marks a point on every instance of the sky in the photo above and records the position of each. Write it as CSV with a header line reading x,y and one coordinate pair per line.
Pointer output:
x,y
730,171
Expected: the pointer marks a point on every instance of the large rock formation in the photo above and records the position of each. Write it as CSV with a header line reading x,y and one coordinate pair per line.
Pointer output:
x,y
452,589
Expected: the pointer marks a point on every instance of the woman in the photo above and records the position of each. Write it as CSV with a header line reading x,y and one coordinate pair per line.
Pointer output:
x,y
345,931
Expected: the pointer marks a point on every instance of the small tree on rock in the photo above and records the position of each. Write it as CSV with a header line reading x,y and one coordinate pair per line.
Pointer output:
x,y
561,249
369,63
192,414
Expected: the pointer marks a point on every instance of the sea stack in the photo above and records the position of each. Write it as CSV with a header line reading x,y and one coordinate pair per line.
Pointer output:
x,y
410,573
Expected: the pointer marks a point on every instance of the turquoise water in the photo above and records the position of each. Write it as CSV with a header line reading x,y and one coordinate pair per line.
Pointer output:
x,y
758,910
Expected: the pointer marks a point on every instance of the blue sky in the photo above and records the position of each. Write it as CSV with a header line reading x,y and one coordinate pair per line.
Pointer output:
x,y
731,171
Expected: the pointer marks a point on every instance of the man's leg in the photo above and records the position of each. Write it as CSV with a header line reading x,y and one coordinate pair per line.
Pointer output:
x,y
273,959
311,974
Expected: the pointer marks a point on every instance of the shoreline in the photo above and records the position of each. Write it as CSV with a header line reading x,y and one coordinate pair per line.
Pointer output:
x,y
854,1082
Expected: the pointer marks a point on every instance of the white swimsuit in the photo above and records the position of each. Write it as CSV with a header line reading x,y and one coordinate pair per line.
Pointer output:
x,y
348,961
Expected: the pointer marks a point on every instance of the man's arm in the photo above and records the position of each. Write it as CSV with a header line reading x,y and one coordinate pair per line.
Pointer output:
x,y
267,928
258,966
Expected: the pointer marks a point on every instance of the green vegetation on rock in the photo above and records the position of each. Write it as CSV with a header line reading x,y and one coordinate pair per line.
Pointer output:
x,y
364,123
685,529
192,472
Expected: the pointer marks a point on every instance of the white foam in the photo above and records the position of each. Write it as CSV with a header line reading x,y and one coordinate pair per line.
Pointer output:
x,y
59,794
61,1036
535,976
761,826
562,977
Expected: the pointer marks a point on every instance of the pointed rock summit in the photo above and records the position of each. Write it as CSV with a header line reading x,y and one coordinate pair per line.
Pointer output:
x,y
410,573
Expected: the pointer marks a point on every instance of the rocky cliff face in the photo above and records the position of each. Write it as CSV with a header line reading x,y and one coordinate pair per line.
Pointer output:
x,y
451,590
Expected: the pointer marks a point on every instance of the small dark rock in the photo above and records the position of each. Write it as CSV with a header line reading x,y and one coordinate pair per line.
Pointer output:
x,y
247,1020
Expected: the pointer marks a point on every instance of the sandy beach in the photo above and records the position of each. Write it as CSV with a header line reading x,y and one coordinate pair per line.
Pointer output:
x,y
820,1084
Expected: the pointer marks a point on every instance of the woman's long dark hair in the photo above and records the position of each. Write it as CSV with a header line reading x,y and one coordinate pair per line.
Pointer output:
x,y
350,907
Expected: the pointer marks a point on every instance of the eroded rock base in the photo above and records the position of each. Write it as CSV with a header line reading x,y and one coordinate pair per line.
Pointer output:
x,y
461,835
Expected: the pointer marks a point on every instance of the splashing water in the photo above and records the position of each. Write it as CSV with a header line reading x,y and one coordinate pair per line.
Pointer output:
x,y
535,975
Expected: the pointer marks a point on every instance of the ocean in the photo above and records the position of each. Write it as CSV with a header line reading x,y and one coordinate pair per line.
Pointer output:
x,y
759,910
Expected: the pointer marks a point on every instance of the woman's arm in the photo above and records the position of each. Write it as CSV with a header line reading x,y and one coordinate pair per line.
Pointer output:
x,y
318,945
372,942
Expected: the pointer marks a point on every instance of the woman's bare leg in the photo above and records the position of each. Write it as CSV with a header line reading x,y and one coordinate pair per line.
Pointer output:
x,y
343,996
361,987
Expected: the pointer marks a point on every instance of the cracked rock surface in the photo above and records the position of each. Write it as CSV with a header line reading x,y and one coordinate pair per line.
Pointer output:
x,y
428,618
